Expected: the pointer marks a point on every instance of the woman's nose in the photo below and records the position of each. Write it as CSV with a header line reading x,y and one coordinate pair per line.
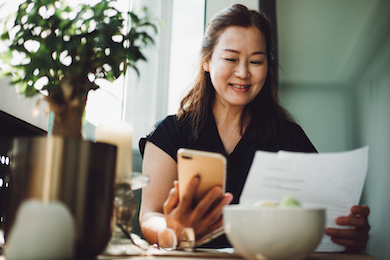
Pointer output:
x,y
242,71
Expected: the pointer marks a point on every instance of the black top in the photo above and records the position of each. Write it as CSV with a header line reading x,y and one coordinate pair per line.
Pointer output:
x,y
170,136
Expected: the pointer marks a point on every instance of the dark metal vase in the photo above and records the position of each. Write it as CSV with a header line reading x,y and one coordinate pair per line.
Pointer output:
x,y
76,172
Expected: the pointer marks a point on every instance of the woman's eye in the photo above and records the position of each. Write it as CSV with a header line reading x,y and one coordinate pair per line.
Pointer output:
x,y
230,59
256,62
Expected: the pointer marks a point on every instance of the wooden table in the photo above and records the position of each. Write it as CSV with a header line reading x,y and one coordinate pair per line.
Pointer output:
x,y
143,251
315,256
155,254
214,256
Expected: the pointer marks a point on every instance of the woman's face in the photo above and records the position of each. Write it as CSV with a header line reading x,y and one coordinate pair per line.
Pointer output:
x,y
238,66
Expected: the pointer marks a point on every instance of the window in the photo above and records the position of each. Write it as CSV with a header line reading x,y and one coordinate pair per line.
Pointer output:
x,y
167,74
187,33
171,61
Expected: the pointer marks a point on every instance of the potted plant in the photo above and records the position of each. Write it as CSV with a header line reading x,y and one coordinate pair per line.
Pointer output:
x,y
63,50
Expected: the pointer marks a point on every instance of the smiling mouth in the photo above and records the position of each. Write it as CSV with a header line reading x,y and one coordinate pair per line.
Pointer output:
x,y
240,86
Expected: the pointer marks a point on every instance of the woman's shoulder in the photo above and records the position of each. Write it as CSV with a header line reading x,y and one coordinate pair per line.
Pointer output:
x,y
157,132
297,139
168,121
171,123
293,128
290,137
167,133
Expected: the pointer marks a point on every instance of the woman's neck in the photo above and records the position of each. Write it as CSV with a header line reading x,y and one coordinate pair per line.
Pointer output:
x,y
229,116
230,128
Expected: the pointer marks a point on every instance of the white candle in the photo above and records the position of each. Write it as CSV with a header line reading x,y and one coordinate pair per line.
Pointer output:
x,y
118,133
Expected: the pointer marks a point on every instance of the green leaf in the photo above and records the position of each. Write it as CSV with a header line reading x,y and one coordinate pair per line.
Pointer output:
x,y
89,48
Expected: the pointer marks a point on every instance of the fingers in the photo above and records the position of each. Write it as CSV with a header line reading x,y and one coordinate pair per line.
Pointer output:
x,y
217,211
201,233
174,208
204,205
363,211
204,217
189,195
354,240
186,201
351,234
358,222
209,210
214,218
172,200
358,218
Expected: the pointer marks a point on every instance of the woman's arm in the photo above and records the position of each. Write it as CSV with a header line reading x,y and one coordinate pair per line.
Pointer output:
x,y
161,208
161,169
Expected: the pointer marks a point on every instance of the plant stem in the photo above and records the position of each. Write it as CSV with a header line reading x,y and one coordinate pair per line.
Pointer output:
x,y
67,119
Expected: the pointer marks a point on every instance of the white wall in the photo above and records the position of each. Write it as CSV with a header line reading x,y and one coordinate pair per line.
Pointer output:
x,y
355,113
342,119
338,118
22,107
373,99
214,6
322,112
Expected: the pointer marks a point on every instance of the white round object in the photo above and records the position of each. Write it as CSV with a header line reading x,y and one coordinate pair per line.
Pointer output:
x,y
274,233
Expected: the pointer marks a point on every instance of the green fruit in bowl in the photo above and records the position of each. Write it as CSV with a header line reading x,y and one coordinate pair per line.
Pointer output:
x,y
289,201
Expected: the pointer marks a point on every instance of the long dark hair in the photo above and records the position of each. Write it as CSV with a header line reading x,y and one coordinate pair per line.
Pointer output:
x,y
267,115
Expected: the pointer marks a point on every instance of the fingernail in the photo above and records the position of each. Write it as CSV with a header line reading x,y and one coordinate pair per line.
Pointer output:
x,y
196,179
228,199
217,190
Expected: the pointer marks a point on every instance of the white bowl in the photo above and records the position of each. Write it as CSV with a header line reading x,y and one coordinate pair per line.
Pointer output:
x,y
273,233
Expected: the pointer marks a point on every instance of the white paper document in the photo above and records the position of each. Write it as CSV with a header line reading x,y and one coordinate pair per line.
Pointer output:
x,y
333,181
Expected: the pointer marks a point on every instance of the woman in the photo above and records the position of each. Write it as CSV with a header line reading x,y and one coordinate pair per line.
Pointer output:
x,y
232,109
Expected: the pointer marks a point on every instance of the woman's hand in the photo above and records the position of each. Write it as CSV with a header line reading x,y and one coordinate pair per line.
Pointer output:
x,y
354,239
204,218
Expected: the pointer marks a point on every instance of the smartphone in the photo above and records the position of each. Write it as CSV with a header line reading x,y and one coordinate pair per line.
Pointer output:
x,y
210,166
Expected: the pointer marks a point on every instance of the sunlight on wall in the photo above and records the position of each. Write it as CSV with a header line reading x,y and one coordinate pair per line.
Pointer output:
x,y
187,32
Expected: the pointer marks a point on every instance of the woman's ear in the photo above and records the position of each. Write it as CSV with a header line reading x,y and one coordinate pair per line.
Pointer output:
x,y
206,66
